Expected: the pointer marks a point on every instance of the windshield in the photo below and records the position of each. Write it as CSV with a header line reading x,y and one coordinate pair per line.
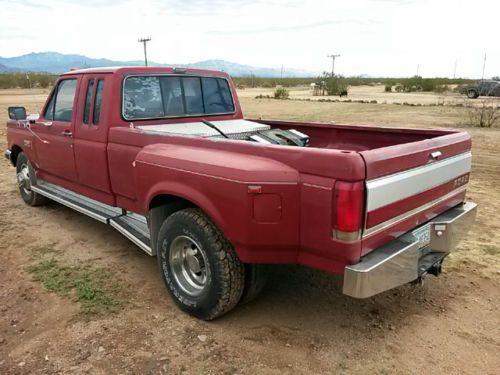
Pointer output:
x,y
146,97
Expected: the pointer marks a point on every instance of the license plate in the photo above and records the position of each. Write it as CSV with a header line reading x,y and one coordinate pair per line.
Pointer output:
x,y
423,235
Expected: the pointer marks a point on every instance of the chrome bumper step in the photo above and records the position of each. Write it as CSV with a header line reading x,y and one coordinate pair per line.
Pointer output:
x,y
404,259
131,225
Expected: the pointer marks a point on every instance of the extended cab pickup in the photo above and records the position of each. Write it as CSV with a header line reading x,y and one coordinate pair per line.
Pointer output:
x,y
165,156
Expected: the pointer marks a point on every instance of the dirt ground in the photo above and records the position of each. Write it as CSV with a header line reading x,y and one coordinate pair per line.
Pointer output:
x,y
301,324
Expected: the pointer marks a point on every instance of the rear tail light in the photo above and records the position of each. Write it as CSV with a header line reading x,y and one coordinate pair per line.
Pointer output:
x,y
348,210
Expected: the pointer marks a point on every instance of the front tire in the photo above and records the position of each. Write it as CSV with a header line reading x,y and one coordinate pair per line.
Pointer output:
x,y
25,179
472,94
198,265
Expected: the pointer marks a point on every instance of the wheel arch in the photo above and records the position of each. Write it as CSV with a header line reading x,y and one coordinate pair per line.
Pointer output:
x,y
162,205
15,151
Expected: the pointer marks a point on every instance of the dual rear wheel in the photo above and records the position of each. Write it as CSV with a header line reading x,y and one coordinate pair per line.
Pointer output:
x,y
200,267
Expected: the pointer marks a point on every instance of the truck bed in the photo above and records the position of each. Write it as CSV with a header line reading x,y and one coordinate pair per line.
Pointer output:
x,y
385,150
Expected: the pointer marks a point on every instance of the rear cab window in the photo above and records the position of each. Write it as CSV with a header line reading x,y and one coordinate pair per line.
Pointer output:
x,y
157,96
93,101
88,98
98,102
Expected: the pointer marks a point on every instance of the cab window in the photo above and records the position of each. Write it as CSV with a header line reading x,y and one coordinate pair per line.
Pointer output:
x,y
98,102
88,96
60,106
146,97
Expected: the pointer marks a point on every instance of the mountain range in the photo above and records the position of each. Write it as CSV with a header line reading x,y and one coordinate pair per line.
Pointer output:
x,y
54,62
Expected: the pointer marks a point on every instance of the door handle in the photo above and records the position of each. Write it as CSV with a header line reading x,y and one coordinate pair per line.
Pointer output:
x,y
435,155
67,133
46,123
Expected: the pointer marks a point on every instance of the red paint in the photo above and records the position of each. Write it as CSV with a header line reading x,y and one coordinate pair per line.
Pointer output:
x,y
267,208
276,204
372,242
404,205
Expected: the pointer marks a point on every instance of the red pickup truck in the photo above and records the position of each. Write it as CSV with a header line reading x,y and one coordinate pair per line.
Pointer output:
x,y
165,156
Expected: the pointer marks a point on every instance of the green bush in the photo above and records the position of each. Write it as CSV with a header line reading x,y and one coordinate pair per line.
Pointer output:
x,y
388,88
281,93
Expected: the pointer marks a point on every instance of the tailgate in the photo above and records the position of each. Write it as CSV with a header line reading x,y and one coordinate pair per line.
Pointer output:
x,y
411,183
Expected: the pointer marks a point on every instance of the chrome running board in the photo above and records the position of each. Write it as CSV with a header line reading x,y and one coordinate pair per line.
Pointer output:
x,y
78,202
131,225
135,228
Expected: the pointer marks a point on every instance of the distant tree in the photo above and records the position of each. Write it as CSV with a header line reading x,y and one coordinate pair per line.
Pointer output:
x,y
44,80
335,85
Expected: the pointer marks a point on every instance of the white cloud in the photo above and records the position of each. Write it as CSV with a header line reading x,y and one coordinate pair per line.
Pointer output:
x,y
377,37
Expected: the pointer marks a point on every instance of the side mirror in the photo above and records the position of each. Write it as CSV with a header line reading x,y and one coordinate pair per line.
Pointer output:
x,y
17,113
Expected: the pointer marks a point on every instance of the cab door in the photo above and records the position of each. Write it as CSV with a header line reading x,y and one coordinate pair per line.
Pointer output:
x,y
54,130
91,132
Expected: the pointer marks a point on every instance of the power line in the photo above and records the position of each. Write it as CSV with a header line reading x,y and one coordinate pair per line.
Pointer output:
x,y
333,57
144,41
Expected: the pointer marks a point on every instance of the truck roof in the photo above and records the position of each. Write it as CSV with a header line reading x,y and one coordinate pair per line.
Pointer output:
x,y
146,70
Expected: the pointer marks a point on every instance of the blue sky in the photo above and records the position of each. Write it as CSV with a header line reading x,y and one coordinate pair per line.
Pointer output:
x,y
376,37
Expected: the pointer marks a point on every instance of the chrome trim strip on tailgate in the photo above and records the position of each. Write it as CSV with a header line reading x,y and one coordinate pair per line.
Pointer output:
x,y
382,226
386,190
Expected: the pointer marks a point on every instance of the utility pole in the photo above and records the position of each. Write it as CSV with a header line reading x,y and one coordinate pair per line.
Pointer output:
x,y
455,69
282,72
333,57
418,69
144,42
484,66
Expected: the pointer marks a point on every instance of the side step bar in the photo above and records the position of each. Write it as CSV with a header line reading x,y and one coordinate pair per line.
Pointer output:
x,y
78,202
135,228
131,225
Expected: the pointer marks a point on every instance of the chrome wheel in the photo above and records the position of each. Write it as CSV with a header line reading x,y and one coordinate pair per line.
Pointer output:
x,y
189,266
23,179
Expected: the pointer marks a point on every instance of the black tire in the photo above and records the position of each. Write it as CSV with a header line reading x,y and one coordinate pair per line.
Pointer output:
x,y
187,231
255,281
26,177
472,94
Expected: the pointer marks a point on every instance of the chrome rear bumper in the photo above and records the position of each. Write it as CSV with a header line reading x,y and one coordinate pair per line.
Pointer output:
x,y
403,260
